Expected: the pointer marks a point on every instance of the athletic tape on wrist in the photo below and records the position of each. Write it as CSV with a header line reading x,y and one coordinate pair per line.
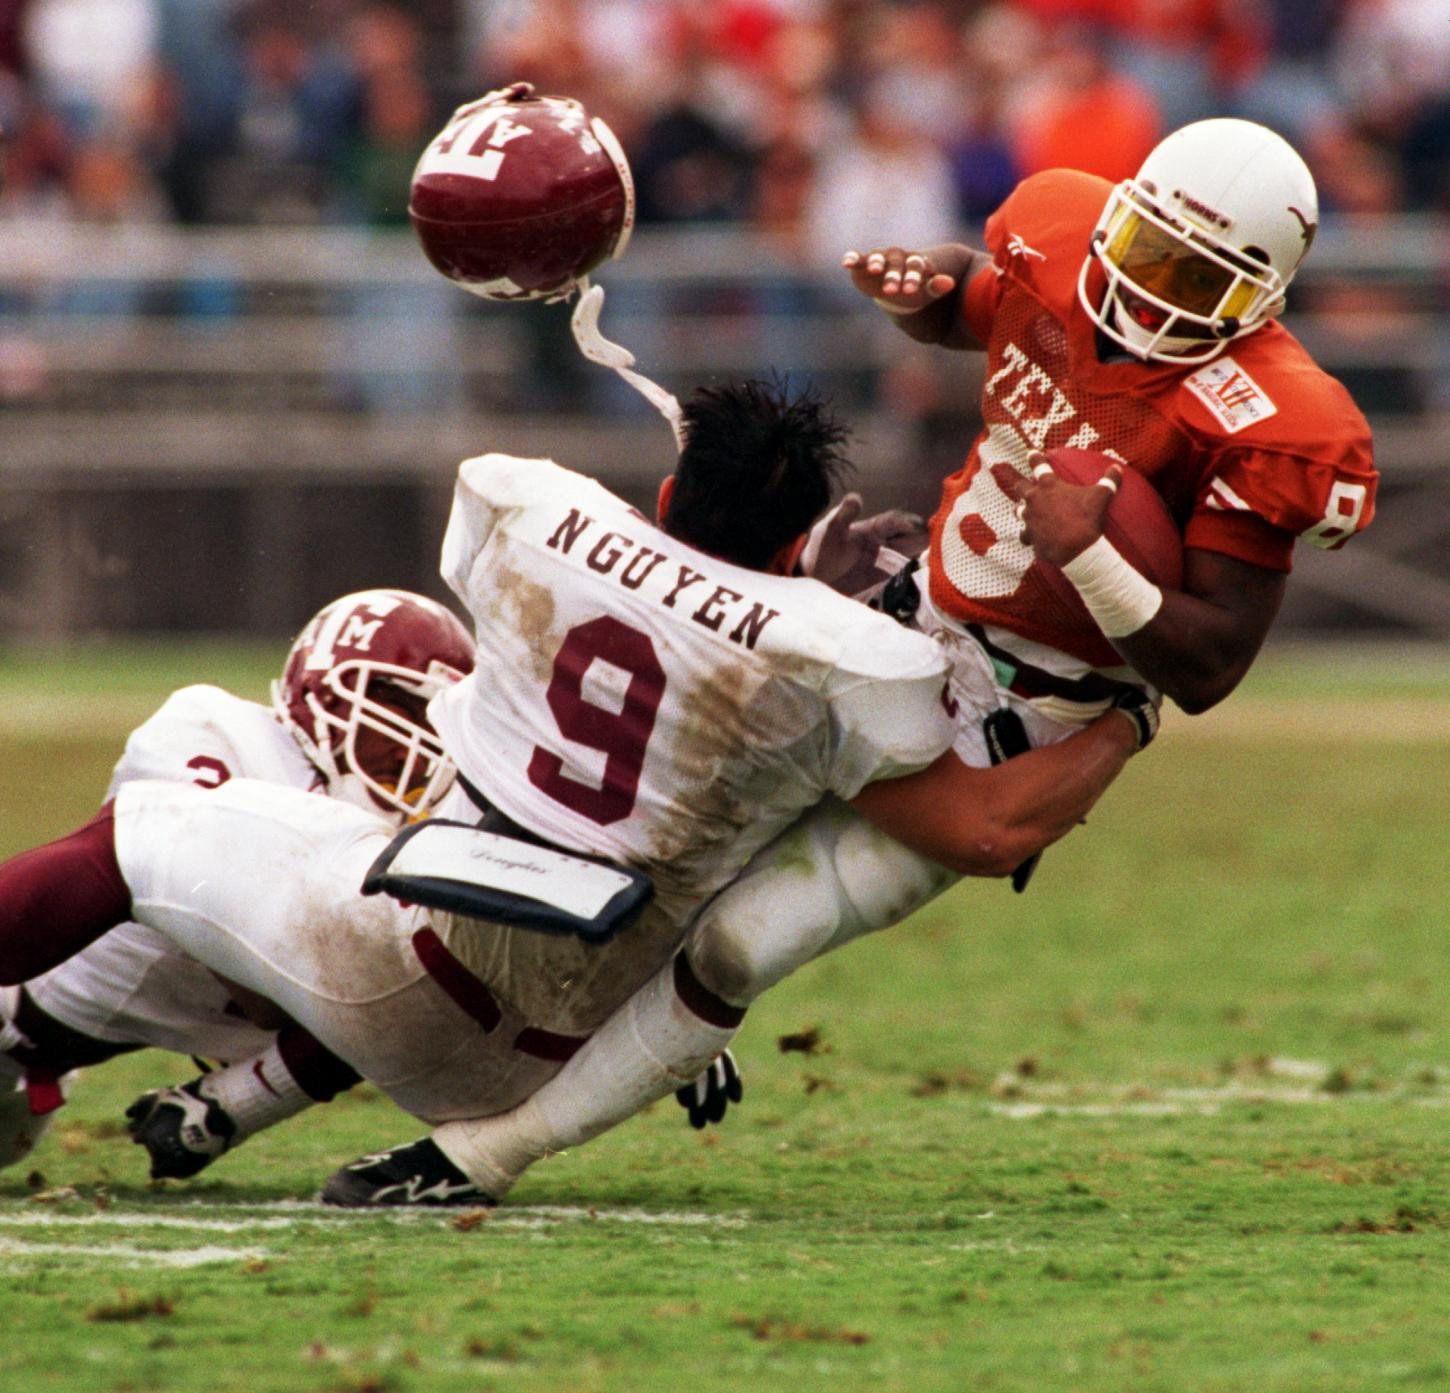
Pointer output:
x,y
1120,599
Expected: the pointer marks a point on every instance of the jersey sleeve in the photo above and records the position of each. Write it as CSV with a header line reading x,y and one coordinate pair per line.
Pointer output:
x,y
185,741
884,727
1286,454
1038,237
488,487
1255,504
980,299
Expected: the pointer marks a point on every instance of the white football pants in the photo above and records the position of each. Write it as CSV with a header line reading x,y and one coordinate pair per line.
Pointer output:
x,y
260,883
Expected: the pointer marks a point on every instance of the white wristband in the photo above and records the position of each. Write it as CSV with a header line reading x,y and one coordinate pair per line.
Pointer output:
x,y
1118,597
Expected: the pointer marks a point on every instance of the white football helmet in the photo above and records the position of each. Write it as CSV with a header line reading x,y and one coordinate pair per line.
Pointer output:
x,y
1199,246
353,694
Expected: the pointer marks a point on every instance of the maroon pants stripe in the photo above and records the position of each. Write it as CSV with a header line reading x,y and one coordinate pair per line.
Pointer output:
x,y
475,998
710,1008
319,1073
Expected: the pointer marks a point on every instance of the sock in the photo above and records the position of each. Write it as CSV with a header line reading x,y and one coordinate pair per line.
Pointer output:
x,y
319,1073
658,1041
255,1092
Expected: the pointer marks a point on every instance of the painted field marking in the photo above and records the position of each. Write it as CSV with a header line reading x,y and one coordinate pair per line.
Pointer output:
x,y
111,1218
1148,1100
533,1213
295,1212
135,1257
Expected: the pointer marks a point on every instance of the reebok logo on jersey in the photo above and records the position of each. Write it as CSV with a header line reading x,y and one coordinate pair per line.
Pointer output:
x,y
1017,247
1233,397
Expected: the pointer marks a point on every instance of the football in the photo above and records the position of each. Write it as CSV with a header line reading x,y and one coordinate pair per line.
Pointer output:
x,y
519,196
1138,525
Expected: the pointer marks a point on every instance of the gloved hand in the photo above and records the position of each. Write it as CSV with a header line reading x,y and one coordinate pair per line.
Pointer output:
x,y
1140,705
707,1098
843,549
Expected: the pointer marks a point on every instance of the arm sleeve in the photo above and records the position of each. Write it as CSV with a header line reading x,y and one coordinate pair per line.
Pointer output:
x,y
482,493
884,729
1255,503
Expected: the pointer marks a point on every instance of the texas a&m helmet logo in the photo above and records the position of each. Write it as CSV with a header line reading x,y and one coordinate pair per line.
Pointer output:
x,y
519,196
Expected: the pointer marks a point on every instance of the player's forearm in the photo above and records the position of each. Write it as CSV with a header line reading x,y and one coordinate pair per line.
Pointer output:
x,y
1194,643
986,822
1192,651
1040,796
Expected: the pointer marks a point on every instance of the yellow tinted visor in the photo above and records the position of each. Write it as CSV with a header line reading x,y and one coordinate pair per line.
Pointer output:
x,y
1169,268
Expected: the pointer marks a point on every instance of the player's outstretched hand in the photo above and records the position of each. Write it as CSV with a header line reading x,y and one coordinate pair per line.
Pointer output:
x,y
1059,520
708,1097
899,281
843,548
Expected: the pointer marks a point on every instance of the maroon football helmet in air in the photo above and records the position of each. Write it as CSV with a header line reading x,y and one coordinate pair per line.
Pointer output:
x,y
353,692
519,196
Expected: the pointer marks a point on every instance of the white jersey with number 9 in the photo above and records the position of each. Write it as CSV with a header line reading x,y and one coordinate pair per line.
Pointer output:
x,y
640,700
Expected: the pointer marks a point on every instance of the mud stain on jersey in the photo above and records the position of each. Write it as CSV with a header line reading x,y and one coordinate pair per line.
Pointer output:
x,y
743,762
526,607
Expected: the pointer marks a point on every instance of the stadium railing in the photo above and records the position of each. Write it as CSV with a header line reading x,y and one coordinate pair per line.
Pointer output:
x,y
204,396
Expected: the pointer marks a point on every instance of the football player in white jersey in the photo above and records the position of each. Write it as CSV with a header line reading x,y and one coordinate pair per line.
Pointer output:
x,y
1138,321
347,719
667,698
644,700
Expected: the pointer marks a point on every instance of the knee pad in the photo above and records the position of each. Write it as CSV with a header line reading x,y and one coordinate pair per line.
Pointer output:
x,y
777,914
831,878
879,881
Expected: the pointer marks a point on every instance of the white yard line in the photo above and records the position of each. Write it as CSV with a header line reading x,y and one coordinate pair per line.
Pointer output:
x,y
296,1212
142,1219
535,1213
136,1257
1146,1100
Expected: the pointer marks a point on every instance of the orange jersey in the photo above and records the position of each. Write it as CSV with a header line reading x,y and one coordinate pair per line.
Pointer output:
x,y
1249,451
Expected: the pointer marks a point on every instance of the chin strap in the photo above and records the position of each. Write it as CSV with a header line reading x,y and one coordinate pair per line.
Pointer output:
x,y
598,349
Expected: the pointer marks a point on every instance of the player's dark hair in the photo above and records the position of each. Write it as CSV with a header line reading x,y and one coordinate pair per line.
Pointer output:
x,y
756,471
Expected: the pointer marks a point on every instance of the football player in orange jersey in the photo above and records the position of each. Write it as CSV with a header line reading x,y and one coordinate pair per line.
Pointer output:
x,y
1138,320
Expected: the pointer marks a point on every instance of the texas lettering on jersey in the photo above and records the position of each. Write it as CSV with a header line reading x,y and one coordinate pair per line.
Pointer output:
x,y
1250,451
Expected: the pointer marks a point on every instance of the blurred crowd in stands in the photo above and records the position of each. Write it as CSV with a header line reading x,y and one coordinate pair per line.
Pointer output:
x,y
816,124
824,123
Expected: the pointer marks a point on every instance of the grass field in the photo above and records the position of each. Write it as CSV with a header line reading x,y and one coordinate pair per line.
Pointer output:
x,y
1175,1119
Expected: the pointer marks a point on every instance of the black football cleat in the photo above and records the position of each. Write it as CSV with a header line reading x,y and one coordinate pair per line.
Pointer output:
x,y
416,1174
182,1130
